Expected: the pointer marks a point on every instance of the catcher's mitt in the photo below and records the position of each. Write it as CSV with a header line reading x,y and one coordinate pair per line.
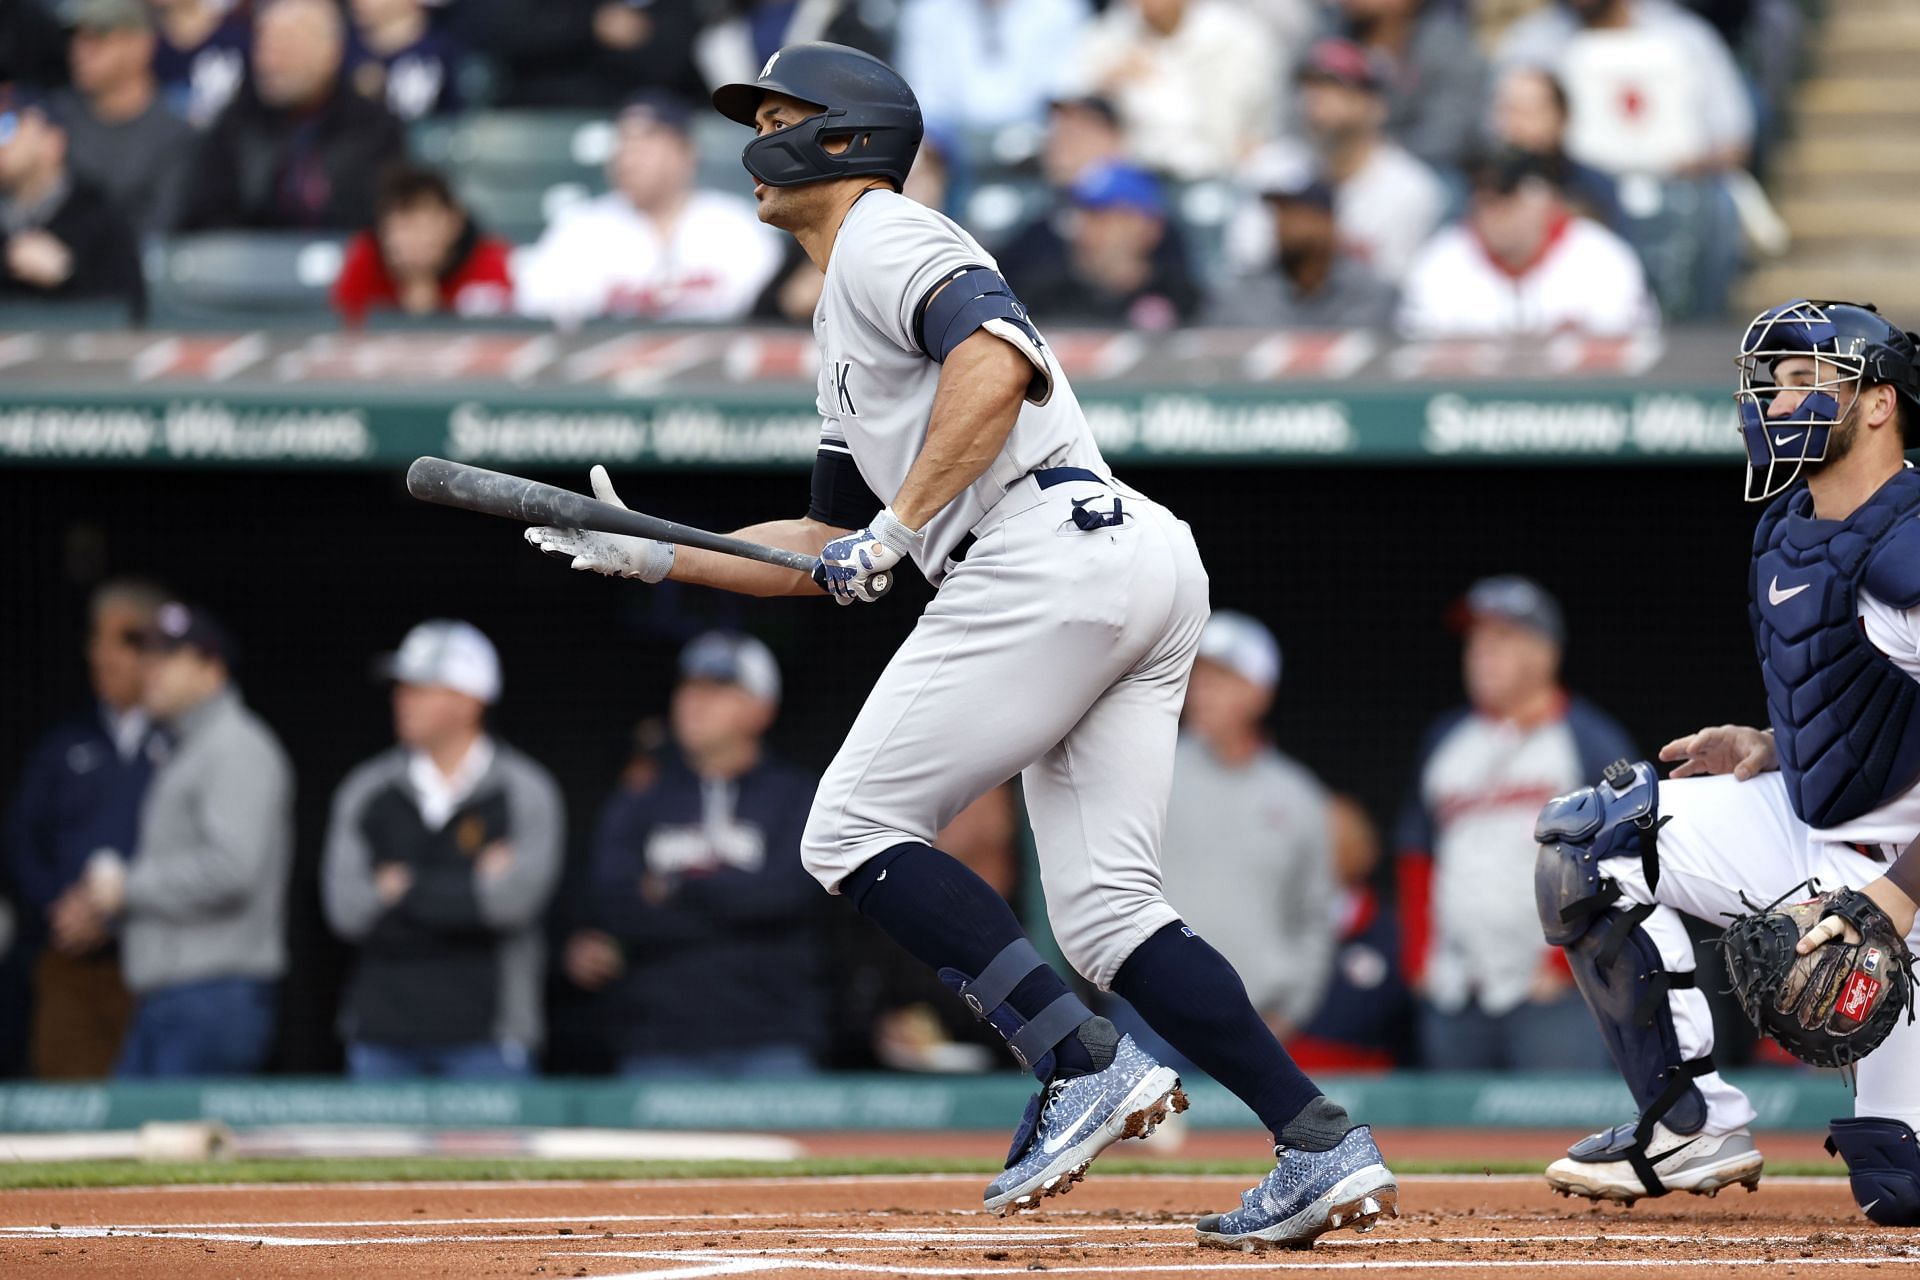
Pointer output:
x,y
1833,1006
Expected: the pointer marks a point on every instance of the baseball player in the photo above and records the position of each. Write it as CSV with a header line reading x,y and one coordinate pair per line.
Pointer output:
x,y
1830,792
1057,647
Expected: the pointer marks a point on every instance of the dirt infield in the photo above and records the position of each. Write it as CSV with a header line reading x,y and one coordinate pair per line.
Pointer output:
x,y
909,1227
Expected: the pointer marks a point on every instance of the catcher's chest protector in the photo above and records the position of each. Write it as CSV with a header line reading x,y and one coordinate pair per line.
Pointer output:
x,y
1846,719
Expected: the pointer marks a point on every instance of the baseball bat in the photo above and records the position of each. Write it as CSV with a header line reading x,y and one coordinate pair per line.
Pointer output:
x,y
494,493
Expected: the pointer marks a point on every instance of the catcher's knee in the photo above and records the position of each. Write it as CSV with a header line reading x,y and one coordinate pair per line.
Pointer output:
x,y
1577,832
1883,1166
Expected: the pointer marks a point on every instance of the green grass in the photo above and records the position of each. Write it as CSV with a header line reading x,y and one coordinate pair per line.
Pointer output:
x,y
134,1173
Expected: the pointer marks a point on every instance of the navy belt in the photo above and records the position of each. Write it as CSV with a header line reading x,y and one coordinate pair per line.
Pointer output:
x,y
1046,478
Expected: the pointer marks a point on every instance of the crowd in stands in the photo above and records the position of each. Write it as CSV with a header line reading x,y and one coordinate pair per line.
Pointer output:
x,y
148,846
1489,167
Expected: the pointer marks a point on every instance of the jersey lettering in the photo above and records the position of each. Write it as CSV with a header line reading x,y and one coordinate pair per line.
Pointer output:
x,y
840,372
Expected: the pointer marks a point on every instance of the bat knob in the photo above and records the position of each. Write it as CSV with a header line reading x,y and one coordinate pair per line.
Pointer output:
x,y
880,583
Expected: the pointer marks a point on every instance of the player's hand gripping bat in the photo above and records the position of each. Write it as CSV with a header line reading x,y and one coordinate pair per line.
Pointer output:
x,y
493,493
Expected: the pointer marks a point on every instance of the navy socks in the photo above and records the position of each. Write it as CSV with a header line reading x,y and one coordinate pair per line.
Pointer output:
x,y
1191,996
949,918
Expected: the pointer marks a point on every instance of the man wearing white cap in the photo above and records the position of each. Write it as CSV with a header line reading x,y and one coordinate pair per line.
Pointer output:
x,y
1245,815
441,855
704,919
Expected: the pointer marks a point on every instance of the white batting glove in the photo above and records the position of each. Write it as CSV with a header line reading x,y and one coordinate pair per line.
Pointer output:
x,y
617,555
860,566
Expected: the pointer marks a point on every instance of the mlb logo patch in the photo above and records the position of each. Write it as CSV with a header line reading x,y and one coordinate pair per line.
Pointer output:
x,y
1858,996
1870,960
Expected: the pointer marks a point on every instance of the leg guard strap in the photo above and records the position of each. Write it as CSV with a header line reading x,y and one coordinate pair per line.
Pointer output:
x,y
989,996
1003,973
1883,1166
1679,1085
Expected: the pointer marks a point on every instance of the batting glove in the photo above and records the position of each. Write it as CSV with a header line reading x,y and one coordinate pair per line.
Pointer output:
x,y
615,554
860,566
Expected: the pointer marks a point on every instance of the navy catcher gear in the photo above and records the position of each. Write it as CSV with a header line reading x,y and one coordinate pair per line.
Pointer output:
x,y
1855,347
862,101
1616,965
1883,1166
1845,716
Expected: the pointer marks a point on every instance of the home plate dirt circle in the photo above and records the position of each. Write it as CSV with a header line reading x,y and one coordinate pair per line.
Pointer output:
x,y
911,1227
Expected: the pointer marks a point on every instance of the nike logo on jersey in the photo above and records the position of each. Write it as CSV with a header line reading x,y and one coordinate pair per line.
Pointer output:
x,y
1776,597
1059,1140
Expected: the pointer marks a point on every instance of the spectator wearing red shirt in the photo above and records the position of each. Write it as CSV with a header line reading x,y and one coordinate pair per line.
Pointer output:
x,y
424,256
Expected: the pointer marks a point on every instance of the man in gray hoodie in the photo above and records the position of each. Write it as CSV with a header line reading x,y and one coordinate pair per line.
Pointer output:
x,y
201,908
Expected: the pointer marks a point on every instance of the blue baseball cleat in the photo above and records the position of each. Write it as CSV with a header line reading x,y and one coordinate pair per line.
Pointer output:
x,y
1073,1120
1308,1194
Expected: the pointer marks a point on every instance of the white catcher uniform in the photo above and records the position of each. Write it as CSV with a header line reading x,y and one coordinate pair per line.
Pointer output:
x,y
1050,651
1727,838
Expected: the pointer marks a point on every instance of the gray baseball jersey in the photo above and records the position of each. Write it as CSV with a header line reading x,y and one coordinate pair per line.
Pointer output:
x,y
1058,648
876,384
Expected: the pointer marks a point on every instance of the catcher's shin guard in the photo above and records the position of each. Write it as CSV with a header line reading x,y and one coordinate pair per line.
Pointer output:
x,y
1883,1165
1615,963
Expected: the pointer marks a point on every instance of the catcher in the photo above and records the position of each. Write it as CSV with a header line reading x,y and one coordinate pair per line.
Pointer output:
x,y
1829,393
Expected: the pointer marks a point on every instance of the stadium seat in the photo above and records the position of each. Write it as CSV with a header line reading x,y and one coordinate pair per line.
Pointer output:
x,y
255,276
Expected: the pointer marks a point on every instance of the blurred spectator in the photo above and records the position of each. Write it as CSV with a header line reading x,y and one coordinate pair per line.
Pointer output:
x,y
1194,81
201,57
1653,87
202,905
655,247
917,1022
1315,283
1530,114
705,927
1386,202
297,147
1364,1019
424,256
983,64
740,35
1436,78
1082,133
442,852
60,238
1121,262
398,56
1521,262
120,136
1494,997
589,53
79,797
1243,814
14,1001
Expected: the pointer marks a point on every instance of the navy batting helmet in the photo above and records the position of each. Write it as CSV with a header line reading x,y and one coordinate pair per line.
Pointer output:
x,y
1853,346
861,99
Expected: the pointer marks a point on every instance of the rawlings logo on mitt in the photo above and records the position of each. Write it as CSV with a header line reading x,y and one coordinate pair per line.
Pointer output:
x,y
1833,1006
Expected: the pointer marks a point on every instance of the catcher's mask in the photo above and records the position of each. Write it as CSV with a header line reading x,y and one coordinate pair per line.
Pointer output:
x,y
1788,426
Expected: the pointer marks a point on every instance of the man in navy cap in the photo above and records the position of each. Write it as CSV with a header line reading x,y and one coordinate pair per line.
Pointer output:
x,y
1493,995
704,920
1315,282
1123,261
201,909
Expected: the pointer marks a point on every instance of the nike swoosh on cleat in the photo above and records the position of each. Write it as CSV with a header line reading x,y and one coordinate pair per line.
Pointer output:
x,y
1671,1152
1868,1206
1053,1144
1776,597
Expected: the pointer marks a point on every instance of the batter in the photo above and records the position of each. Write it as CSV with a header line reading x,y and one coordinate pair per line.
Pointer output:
x,y
1058,646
